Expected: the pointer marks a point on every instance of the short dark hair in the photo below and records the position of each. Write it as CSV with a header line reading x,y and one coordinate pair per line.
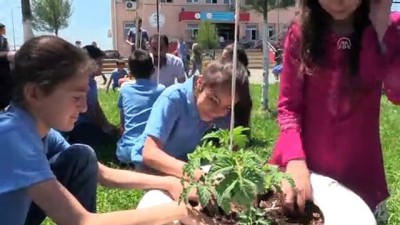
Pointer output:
x,y
94,52
2,26
141,64
47,61
162,37
120,62
140,20
241,56
219,75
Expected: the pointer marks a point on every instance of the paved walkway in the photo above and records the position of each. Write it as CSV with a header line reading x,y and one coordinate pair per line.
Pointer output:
x,y
255,78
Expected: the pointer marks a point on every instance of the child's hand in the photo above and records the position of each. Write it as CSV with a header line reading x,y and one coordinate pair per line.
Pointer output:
x,y
298,171
380,16
175,188
195,217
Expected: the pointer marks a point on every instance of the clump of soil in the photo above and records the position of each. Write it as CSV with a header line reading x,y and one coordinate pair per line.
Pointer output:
x,y
272,204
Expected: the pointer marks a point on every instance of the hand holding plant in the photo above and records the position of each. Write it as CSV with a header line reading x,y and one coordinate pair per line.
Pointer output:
x,y
298,195
235,179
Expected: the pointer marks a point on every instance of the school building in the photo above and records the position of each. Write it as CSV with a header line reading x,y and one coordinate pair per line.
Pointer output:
x,y
181,18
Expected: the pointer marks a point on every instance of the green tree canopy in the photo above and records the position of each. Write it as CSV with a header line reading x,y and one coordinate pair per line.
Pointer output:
x,y
207,36
51,15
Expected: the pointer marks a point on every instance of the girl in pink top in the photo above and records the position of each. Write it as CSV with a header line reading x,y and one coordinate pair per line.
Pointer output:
x,y
337,57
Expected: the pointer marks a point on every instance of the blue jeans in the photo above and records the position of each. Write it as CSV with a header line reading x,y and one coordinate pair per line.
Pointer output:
x,y
75,168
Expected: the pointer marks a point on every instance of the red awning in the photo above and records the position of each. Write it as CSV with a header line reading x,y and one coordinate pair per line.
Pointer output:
x,y
196,15
189,15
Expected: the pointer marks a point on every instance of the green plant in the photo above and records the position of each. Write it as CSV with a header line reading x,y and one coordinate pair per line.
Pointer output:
x,y
235,178
207,36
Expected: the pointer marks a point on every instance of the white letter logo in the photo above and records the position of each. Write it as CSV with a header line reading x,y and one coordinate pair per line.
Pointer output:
x,y
344,43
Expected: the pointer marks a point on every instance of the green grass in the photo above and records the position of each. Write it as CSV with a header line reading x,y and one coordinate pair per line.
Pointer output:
x,y
264,132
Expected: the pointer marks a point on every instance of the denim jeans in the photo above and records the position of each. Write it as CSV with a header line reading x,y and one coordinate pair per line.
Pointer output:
x,y
75,168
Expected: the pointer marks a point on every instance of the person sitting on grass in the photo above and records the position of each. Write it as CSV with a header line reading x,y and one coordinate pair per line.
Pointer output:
x,y
92,127
116,75
181,116
136,99
40,167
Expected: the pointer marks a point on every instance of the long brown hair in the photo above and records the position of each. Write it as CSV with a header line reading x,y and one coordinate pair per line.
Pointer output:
x,y
314,25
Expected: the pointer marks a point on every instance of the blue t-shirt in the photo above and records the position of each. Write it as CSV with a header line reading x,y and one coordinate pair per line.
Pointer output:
x,y
116,75
24,162
92,99
135,100
175,121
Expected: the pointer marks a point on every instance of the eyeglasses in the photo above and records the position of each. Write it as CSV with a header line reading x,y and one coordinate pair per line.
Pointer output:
x,y
215,101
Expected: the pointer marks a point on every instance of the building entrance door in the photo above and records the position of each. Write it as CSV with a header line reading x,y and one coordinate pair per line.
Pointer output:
x,y
226,30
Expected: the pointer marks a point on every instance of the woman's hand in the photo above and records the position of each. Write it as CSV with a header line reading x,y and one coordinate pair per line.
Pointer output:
x,y
298,171
380,16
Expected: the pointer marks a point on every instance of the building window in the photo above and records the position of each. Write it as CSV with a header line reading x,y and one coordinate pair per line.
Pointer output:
x,y
227,1
271,30
251,32
127,26
285,27
192,30
211,1
167,1
192,1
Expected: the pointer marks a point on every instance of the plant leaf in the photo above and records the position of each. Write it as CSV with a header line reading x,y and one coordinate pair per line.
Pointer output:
x,y
204,194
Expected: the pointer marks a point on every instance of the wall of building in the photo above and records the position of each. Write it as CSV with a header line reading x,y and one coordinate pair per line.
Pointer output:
x,y
122,19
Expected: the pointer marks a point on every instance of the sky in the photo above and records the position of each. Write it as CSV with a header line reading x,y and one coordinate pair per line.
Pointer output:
x,y
90,21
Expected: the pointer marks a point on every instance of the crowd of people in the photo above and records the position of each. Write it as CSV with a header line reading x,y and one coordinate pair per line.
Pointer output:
x,y
51,122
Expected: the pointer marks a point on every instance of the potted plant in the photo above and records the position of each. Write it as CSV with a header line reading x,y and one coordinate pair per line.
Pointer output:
x,y
240,188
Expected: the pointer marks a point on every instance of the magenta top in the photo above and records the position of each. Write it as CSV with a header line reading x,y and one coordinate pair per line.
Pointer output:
x,y
334,130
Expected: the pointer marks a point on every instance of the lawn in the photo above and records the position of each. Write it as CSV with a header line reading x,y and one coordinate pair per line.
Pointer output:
x,y
264,131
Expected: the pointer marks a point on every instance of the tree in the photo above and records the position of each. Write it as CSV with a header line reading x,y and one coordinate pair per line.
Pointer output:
x,y
263,7
51,15
207,35
27,19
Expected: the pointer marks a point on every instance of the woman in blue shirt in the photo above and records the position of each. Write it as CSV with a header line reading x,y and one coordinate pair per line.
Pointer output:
x,y
181,116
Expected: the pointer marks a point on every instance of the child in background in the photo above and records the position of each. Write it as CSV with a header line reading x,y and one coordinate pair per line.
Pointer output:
x,y
336,59
6,80
195,59
277,70
51,82
136,100
92,127
181,116
116,75
244,106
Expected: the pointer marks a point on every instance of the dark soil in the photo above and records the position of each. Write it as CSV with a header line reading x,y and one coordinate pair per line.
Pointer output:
x,y
272,203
